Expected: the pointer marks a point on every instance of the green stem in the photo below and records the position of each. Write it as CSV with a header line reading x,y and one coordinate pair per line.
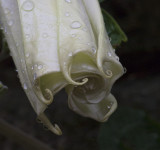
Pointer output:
x,y
21,138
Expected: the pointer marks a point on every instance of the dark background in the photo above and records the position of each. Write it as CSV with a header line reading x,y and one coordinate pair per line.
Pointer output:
x,y
139,88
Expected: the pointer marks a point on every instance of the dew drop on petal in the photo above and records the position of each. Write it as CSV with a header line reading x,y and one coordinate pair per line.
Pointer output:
x,y
27,36
67,14
75,25
45,35
70,54
40,67
6,11
25,86
84,29
35,65
108,107
109,54
34,76
27,55
68,1
125,70
93,50
17,44
117,58
10,22
28,5
73,35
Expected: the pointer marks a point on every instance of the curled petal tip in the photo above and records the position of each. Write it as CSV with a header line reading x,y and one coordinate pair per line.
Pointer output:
x,y
71,81
48,97
56,130
47,124
109,73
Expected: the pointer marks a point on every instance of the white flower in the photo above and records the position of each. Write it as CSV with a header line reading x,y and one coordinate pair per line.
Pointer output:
x,y
62,43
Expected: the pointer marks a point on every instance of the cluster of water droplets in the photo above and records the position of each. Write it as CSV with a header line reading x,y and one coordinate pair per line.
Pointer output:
x,y
75,24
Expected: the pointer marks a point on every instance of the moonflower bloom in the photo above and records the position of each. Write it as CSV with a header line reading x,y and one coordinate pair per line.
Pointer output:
x,y
59,44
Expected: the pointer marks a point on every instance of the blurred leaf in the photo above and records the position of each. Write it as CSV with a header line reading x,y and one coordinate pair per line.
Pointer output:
x,y
101,1
113,29
129,129
2,87
4,50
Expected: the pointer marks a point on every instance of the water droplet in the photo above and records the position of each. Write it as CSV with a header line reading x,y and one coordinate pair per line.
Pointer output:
x,y
34,76
17,44
108,107
25,86
27,36
67,14
45,35
38,120
40,67
93,50
28,5
111,103
45,127
109,54
125,70
32,67
68,1
117,58
10,22
27,55
73,35
1,28
75,25
6,11
70,54
84,29
5,30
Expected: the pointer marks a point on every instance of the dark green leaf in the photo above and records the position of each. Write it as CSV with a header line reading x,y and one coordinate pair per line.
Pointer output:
x,y
130,129
113,29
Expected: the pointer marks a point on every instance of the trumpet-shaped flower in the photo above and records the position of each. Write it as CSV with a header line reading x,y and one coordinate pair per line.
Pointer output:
x,y
59,44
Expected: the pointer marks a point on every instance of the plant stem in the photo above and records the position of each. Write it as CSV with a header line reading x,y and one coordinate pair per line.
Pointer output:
x,y
21,138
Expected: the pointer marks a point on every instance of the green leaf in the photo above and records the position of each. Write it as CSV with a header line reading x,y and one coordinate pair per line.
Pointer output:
x,y
130,129
113,29
2,87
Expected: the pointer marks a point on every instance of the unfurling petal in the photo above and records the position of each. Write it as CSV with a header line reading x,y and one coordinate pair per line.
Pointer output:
x,y
57,44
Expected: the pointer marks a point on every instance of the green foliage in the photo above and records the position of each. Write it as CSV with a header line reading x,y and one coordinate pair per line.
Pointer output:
x,y
113,29
130,129
2,87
